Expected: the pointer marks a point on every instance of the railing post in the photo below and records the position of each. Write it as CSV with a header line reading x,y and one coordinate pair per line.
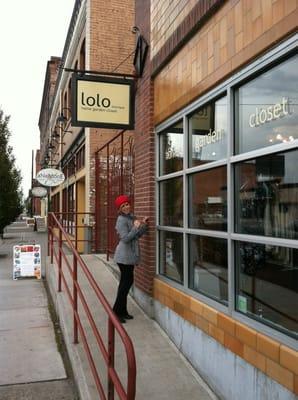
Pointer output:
x,y
131,382
60,260
75,299
111,355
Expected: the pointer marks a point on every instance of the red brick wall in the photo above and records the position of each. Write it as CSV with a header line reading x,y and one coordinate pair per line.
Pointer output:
x,y
145,158
111,39
110,46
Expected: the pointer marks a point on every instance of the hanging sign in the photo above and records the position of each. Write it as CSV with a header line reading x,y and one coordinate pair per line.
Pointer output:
x,y
26,261
102,102
50,177
39,191
140,55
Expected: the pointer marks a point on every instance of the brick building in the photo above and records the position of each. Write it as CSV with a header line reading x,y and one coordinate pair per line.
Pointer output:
x,y
99,39
212,160
224,111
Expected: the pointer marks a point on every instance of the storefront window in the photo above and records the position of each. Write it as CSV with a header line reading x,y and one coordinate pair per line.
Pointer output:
x,y
171,149
267,108
267,284
261,185
208,266
208,133
208,199
171,202
267,196
171,255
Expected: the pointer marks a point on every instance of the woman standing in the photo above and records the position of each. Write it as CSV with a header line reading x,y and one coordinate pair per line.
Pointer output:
x,y
127,253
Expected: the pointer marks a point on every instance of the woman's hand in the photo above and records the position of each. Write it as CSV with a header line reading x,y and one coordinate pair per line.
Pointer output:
x,y
145,220
136,223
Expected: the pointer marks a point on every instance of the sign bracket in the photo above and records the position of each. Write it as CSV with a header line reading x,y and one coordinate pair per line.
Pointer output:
x,y
102,73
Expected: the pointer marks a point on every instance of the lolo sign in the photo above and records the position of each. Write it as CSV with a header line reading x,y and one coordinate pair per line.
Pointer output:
x,y
50,177
102,102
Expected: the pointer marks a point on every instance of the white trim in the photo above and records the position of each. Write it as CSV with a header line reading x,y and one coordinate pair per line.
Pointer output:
x,y
185,197
230,204
278,148
193,231
170,176
157,166
170,228
209,165
267,240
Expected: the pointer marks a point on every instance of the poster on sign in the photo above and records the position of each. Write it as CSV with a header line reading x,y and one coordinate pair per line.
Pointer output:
x,y
26,261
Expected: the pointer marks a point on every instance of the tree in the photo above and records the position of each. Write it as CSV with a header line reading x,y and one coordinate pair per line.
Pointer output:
x,y
10,178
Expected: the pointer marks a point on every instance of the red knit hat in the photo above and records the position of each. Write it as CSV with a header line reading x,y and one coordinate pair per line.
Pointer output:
x,y
121,200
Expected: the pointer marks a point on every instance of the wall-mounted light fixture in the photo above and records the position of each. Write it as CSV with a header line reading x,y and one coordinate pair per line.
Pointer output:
x,y
55,143
62,119
55,135
64,131
51,146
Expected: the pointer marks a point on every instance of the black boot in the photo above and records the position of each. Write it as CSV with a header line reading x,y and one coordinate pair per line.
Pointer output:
x,y
128,316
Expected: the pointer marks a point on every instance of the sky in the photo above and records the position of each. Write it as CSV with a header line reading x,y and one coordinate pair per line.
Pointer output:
x,y
31,32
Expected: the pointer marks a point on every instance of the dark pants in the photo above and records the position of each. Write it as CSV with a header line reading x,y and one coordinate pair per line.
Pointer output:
x,y
125,283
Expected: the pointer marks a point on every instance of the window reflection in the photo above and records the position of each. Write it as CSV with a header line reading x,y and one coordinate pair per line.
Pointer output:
x,y
267,284
208,133
171,202
208,199
267,196
171,149
171,255
267,108
208,267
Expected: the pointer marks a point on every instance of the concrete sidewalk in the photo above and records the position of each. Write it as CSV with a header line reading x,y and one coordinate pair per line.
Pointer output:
x,y
31,366
162,372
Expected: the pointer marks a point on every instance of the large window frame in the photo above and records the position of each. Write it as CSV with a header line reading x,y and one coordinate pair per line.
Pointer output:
x,y
275,56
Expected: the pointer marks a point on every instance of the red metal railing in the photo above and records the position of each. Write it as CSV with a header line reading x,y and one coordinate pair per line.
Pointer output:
x,y
58,236
80,226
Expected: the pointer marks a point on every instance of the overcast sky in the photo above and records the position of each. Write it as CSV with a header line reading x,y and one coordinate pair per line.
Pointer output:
x,y
31,32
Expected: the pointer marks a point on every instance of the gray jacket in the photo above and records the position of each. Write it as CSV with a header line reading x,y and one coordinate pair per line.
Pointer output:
x,y
127,251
